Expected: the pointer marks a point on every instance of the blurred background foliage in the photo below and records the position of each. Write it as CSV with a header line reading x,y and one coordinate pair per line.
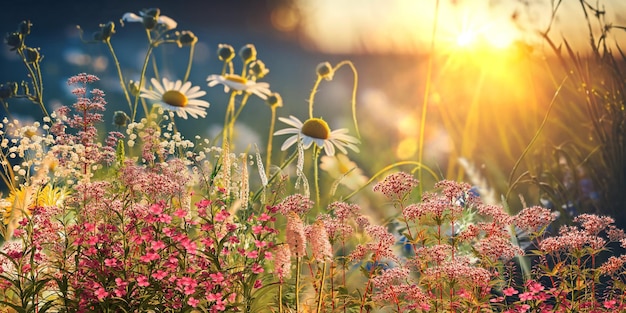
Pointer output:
x,y
525,98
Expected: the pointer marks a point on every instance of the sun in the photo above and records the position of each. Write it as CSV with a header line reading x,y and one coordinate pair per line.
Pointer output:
x,y
478,30
466,38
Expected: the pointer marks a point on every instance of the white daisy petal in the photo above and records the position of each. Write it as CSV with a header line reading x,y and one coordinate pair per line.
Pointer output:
x,y
167,21
131,17
287,131
331,141
292,120
185,88
289,142
184,104
239,83
157,85
329,148
178,86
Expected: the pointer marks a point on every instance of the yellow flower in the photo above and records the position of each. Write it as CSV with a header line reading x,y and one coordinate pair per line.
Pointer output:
x,y
339,167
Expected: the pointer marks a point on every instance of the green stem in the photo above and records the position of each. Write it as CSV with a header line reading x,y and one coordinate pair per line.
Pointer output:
x,y
354,89
119,73
316,155
40,84
191,52
230,111
319,296
532,141
312,95
297,284
270,139
141,80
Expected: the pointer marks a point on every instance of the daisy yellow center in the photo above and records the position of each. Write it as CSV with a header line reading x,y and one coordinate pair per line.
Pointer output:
x,y
316,128
236,79
175,98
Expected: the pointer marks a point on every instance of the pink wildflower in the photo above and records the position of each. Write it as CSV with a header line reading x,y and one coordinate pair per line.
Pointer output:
x,y
297,203
593,224
510,291
282,263
142,281
343,210
159,274
612,265
294,233
526,296
193,302
609,304
101,293
533,218
397,185
320,246
252,254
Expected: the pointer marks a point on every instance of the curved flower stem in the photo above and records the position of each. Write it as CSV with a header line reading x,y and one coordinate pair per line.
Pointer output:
x,y
244,100
190,62
427,84
119,73
270,139
34,72
312,95
319,295
141,80
532,141
354,89
40,84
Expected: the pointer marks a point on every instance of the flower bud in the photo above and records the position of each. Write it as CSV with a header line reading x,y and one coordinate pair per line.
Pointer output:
x,y
108,30
134,88
153,12
325,70
150,17
120,119
32,55
274,100
258,69
24,27
150,22
186,38
225,52
14,41
248,53
7,91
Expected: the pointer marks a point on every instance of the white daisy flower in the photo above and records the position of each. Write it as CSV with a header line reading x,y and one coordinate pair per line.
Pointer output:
x,y
177,97
236,82
316,130
147,16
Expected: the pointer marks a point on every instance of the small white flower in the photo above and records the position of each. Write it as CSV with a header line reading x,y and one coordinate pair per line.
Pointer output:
x,y
236,82
168,22
177,97
316,130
